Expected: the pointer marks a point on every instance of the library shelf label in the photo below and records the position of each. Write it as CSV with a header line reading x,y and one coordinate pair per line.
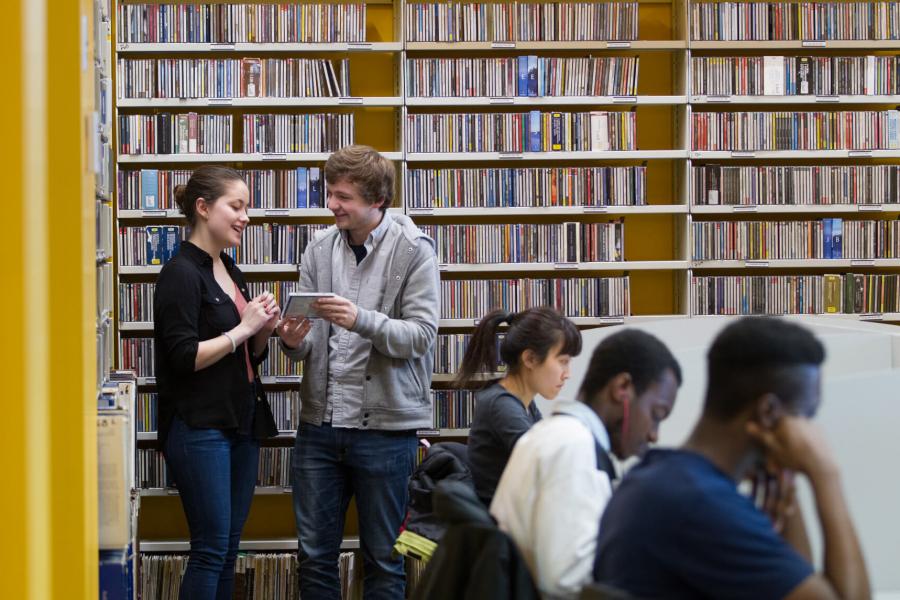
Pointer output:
x,y
871,317
611,320
756,263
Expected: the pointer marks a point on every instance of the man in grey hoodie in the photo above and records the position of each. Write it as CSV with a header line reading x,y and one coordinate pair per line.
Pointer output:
x,y
366,376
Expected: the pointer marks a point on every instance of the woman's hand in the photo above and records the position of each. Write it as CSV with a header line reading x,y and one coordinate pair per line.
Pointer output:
x,y
272,309
256,315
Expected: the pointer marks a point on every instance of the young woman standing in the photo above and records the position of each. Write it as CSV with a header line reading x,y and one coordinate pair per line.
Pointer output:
x,y
210,337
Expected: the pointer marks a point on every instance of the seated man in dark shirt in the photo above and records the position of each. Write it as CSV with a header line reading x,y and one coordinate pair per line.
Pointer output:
x,y
678,528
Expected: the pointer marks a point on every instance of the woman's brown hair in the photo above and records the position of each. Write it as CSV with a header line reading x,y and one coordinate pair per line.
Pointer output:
x,y
207,182
535,329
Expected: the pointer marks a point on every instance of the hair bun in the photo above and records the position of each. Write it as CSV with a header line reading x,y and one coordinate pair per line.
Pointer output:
x,y
179,193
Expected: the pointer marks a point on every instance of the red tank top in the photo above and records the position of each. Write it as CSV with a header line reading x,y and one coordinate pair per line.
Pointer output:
x,y
241,305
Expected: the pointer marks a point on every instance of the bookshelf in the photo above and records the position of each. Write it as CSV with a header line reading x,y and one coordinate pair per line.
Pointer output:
x,y
808,72
655,184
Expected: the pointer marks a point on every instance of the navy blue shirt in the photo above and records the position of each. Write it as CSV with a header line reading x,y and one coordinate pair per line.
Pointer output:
x,y
678,528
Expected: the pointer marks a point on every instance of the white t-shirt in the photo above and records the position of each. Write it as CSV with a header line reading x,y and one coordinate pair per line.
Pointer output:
x,y
550,499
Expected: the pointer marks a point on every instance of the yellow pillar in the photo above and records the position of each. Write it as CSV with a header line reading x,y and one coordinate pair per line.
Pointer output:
x,y
48,441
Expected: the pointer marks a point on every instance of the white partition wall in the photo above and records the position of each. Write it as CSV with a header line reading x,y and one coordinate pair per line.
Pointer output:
x,y
860,413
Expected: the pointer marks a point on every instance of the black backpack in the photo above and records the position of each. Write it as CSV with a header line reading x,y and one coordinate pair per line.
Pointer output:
x,y
443,462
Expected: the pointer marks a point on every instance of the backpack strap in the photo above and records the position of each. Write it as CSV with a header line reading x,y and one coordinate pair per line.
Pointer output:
x,y
604,462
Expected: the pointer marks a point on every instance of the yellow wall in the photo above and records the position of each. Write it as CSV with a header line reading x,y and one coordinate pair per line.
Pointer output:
x,y
48,439
14,442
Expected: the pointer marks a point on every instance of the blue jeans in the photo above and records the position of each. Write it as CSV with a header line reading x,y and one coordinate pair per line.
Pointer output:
x,y
331,465
215,472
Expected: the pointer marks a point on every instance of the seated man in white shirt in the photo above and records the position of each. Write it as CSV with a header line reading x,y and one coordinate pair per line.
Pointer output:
x,y
559,478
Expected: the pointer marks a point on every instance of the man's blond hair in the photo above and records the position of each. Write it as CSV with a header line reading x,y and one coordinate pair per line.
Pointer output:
x,y
363,166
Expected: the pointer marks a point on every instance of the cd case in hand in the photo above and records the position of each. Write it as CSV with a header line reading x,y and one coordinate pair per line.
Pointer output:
x,y
299,304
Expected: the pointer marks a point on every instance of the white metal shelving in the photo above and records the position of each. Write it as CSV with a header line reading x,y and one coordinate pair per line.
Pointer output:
x,y
804,99
262,545
541,211
812,263
505,46
541,101
791,154
635,265
261,102
247,47
287,269
788,209
505,157
266,379
242,157
151,436
795,45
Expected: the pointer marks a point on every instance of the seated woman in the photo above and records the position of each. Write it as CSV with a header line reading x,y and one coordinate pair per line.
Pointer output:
x,y
536,348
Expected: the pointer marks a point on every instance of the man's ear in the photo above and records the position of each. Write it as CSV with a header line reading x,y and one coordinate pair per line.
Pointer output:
x,y
767,411
621,388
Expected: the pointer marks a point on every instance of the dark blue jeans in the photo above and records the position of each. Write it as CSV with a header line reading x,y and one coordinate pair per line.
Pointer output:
x,y
331,465
215,472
